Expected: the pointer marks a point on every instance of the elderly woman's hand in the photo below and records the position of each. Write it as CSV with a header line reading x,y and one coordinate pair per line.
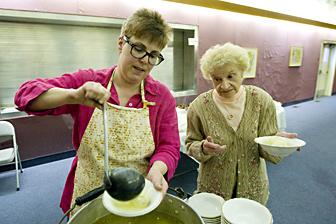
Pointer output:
x,y
211,148
288,135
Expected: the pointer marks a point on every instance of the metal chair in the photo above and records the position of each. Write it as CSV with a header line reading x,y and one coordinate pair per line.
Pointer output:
x,y
7,155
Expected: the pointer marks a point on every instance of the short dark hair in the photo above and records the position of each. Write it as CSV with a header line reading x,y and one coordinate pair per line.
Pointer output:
x,y
147,24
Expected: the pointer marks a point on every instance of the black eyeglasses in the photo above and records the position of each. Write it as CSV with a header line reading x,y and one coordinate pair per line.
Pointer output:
x,y
154,58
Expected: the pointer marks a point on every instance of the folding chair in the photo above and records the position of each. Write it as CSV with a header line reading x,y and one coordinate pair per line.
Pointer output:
x,y
9,154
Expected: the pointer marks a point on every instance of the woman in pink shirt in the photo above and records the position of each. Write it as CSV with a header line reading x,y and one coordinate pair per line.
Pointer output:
x,y
143,131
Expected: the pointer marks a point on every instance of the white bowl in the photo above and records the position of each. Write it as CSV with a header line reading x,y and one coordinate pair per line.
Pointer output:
x,y
246,211
279,146
207,205
122,208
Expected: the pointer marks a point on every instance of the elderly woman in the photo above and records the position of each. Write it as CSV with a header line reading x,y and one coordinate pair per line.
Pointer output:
x,y
143,131
222,126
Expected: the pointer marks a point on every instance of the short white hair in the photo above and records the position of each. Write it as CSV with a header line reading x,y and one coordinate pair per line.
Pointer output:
x,y
220,55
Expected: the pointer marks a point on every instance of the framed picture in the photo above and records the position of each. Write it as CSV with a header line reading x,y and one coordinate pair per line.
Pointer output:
x,y
295,57
251,70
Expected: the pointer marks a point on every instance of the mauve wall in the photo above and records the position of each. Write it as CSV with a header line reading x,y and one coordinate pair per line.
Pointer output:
x,y
273,39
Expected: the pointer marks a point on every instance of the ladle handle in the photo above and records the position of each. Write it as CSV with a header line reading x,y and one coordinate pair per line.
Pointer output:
x,y
90,195
106,159
180,192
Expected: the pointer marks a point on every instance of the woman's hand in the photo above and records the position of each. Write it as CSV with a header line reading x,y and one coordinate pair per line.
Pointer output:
x,y
92,94
211,148
155,175
288,135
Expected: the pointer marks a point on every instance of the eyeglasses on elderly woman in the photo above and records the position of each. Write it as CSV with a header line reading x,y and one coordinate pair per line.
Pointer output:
x,y
154,57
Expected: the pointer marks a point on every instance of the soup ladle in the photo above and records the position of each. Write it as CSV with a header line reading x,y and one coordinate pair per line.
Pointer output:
x,y
121,183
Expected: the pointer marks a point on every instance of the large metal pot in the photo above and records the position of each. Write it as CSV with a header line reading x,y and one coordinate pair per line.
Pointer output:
x,y
170,205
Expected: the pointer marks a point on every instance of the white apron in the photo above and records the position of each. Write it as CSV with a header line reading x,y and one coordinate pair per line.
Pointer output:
x,y
130,143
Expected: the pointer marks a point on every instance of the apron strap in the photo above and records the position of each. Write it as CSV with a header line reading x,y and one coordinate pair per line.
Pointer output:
x,y
145,103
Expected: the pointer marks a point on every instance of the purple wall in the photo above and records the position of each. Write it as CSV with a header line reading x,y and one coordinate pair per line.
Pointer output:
x,y
273,39
41,136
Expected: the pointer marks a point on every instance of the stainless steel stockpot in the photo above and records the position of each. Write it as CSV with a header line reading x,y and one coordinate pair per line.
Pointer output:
x,y
170,205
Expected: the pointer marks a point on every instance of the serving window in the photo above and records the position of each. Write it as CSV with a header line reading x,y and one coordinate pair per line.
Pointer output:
x,y
34,44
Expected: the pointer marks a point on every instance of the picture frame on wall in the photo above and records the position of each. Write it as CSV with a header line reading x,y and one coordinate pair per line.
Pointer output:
x,y
253,56
295,57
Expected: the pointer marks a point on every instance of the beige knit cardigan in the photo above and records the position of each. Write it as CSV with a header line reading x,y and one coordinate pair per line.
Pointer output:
x,y
242,164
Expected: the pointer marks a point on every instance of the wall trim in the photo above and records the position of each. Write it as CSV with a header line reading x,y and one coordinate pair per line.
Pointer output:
x,y
228,6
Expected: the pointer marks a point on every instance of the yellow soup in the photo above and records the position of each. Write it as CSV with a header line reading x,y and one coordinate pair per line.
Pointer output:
x,y
151,218
139,203
278,142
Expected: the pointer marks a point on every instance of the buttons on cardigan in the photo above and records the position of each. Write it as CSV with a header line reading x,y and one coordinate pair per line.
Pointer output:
x,y
130,104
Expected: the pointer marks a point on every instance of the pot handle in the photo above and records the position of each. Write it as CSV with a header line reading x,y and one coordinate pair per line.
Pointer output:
x,y
180,192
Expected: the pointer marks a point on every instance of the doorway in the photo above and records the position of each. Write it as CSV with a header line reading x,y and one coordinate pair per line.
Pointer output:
x,y
326,71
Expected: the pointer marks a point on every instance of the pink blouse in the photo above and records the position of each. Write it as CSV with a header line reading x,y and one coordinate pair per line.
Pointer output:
x,y
163,117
